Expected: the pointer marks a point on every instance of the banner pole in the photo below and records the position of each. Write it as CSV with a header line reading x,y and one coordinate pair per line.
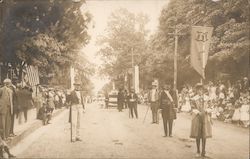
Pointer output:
x,y
71,137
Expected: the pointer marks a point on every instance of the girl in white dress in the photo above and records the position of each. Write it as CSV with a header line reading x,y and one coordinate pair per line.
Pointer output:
x,y
187,106
236,115
244,113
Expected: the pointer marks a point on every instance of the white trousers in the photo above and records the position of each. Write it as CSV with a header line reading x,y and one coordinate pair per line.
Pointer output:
x,y
76,120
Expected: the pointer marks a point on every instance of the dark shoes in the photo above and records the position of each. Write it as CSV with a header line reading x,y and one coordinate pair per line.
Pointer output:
x,y
203,154
12,156
77,139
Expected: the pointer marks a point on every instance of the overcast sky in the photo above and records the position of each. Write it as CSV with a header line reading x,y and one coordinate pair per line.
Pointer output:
x,y
101,10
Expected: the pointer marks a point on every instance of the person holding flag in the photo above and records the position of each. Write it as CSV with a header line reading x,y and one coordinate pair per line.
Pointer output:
x,y
77,102
201,127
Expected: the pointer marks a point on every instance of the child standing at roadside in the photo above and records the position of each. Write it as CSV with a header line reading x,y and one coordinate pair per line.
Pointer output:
x,y
244,112
236,115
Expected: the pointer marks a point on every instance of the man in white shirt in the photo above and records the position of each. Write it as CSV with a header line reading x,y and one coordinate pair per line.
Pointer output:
x,y
77,102
154,104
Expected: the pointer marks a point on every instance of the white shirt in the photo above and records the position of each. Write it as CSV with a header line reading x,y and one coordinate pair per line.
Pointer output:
x,y
78,94
153,95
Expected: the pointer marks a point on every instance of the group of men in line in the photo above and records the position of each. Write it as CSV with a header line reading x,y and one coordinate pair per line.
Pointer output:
x,y
128,100
165,101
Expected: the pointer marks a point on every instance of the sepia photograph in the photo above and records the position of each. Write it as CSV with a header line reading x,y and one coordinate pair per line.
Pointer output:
x,y
124,79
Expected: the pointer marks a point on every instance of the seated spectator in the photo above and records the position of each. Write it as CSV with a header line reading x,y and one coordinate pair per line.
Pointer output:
x,y
45,114
228,112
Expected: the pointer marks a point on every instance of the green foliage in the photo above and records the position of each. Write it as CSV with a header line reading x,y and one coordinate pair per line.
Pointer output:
x,y
229,50
48,34
126,33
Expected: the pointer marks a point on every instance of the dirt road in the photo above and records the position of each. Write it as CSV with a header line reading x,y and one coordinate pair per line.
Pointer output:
x,y
107,133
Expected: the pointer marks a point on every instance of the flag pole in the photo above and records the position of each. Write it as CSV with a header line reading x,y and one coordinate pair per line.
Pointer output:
x,y
70,111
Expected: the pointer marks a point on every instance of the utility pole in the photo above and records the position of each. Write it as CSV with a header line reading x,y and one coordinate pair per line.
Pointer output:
x,y
133,74
176,35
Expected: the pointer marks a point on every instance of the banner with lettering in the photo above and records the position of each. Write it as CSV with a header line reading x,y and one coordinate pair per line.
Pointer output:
x,y
137,88
200,41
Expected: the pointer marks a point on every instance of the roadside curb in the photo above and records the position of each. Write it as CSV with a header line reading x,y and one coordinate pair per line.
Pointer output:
x,y
36,125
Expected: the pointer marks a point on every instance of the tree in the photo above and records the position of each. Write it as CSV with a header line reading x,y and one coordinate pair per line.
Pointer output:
x,y
126,33
46,34
229,49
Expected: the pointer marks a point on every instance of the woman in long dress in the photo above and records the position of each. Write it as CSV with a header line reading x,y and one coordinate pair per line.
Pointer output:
x,y
201,127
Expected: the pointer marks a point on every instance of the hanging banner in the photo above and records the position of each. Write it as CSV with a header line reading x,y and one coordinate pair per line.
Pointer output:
x,y
200,41
137,89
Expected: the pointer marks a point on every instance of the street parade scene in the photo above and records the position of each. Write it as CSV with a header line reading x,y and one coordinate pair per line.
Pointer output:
x,y
124,79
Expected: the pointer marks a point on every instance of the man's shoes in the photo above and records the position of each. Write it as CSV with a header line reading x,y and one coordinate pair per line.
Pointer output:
x,y
203,154
164,136
11,156
170,135
197,155
78,139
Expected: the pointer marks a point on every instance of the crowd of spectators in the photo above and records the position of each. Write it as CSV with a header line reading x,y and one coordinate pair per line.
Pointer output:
x,y
229,102
16,99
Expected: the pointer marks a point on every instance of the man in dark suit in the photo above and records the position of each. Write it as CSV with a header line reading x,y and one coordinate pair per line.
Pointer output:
x,y
120,100
168,110
77,102
132,102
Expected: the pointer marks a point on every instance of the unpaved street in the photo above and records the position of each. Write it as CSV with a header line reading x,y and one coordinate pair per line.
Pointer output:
x,y
107,133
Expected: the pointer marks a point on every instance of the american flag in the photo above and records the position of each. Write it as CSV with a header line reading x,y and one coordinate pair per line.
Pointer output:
x,y
31,75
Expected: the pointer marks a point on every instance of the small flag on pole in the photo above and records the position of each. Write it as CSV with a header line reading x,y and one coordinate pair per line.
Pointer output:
x,y
200,41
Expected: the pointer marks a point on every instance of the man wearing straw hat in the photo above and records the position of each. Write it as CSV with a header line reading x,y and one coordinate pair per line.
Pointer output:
x,y
154,103
77,102
6,108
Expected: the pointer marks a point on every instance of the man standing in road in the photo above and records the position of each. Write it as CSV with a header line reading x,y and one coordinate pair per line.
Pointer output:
x,y
120,100
167,105
154,103
77,102
6,108
132,101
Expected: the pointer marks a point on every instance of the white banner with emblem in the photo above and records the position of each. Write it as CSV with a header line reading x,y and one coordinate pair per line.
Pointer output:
x,y
200,41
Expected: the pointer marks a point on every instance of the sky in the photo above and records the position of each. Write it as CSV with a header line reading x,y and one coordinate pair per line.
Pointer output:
x,y
101,10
